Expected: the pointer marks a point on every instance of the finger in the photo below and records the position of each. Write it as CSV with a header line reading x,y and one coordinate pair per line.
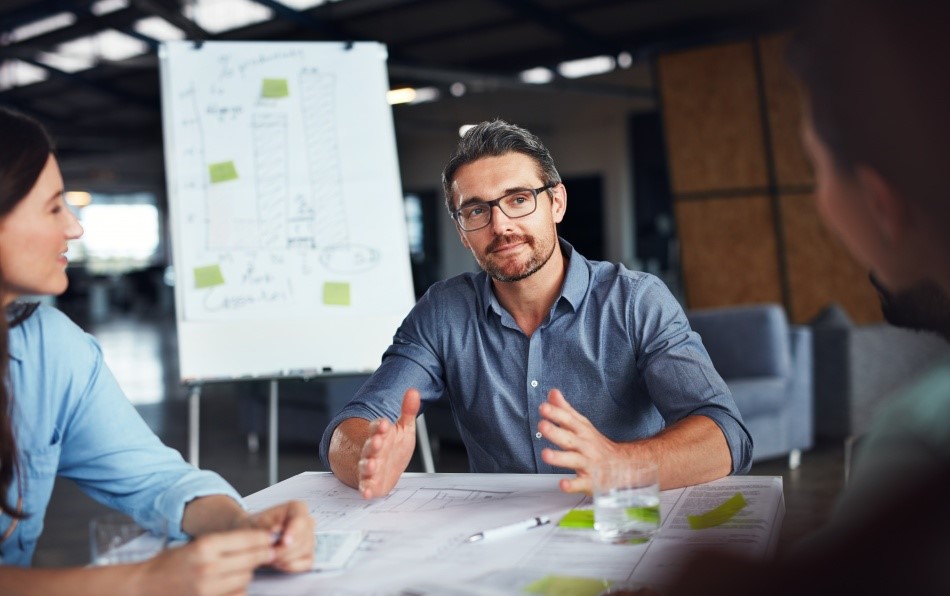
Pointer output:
x,y
575,485
564,459
296,524
555,397
560,436
411,402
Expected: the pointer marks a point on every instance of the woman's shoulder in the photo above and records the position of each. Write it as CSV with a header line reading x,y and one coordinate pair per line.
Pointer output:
x,y
44,327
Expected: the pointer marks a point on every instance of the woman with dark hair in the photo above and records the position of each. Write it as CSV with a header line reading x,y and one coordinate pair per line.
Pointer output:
x,y
63,414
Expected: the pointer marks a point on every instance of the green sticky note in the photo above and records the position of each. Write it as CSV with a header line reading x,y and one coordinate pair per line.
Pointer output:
x,y
222,171
275,88
208,276
336,293
645,514
718,515
578,518
564,585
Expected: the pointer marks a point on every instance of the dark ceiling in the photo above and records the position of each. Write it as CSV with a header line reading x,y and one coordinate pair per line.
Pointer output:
x,y
105,110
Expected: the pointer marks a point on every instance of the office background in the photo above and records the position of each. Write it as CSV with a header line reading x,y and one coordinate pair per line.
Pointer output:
x,y
673,123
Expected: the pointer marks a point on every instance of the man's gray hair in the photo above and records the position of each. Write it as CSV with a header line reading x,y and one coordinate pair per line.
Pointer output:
x,y
492,139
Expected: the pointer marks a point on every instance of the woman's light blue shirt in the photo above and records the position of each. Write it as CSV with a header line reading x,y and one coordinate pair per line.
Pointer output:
x,y
71,419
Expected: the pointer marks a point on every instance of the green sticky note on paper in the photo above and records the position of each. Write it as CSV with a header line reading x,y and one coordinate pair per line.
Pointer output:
x,y
578,518
222,171
718,515
275,88
208,276
336,293
564,585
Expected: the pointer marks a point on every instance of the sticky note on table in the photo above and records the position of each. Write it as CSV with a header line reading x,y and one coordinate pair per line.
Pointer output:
x,y
222,171
275,88
336,293
208,276
564,585
578,518
718,515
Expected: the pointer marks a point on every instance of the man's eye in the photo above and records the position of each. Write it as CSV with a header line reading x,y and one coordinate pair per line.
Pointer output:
x,y
476,211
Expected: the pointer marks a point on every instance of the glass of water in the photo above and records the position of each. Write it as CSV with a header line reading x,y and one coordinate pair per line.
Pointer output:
x,y
626,501
115,538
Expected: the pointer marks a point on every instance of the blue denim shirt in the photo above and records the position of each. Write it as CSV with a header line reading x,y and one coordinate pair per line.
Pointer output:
x,y
71,419
616,343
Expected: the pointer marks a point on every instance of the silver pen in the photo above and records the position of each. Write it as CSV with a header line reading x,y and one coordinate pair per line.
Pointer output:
x,y
510,529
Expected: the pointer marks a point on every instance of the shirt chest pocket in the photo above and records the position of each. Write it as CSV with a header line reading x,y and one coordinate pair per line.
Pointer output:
x,y
39,466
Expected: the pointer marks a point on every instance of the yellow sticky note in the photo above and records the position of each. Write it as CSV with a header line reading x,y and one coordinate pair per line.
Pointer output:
x,y
222,171
275,88
208,276
578,518
565,585
336,293
718,515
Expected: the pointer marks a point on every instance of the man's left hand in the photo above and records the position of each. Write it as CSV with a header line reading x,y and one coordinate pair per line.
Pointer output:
x,y
293,528
582,446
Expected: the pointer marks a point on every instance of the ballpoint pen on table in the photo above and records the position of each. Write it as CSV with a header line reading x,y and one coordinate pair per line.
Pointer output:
x,y
510,529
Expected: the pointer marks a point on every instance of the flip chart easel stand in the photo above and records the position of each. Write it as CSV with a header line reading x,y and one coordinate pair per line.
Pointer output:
x,y
194,430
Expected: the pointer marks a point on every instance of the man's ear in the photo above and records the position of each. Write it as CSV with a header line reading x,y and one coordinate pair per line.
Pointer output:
x,y
558,202
889,210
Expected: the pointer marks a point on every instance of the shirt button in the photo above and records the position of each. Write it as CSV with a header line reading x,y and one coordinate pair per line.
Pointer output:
x,y
537,434
534,383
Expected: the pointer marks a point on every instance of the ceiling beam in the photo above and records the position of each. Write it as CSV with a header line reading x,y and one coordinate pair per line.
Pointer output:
x,y
566,28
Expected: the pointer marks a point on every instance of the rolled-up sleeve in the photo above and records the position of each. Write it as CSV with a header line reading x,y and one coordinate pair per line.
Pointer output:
x,y
112,454
411,361
679,374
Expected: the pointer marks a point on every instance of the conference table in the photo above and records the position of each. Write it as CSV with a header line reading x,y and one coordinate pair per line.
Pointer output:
x,y
415,540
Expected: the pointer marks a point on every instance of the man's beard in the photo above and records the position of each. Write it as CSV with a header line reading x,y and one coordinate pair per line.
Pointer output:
x,y
535,262
924,307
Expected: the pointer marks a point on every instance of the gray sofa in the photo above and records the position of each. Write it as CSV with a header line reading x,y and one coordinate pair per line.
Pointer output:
x,y
858,367
767,365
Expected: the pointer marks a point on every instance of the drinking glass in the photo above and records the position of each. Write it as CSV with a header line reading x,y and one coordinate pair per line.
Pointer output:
x,y
116,538
626,501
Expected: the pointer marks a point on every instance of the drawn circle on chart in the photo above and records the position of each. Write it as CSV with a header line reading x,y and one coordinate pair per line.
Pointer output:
x,y
349,258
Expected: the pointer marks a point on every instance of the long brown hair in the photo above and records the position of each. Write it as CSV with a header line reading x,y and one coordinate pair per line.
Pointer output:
x,y
25,149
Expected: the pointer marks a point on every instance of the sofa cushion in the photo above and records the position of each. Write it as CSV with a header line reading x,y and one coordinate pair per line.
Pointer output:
x,y
758,396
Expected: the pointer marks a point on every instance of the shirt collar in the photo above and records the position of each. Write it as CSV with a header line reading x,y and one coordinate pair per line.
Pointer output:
x,y
576,280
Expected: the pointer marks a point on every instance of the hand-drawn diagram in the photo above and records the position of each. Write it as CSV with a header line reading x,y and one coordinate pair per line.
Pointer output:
x,y
283,180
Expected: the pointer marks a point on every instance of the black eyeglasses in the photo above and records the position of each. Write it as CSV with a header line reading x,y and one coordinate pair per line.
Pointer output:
x,y
477,215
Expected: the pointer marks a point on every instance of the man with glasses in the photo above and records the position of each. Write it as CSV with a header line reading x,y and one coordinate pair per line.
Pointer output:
x,y
551,363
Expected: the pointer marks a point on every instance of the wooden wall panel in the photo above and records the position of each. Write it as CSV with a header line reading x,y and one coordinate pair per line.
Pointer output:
x,y
712,119
728,251
820,270
783,99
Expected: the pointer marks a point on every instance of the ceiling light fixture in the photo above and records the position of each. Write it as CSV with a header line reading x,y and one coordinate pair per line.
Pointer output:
x,y
585,67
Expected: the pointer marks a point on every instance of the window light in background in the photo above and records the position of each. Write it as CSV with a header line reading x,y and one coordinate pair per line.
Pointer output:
x,y
585,67
624,60
457,89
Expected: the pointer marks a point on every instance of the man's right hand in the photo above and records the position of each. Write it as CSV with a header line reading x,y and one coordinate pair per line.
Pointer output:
x,y
388,449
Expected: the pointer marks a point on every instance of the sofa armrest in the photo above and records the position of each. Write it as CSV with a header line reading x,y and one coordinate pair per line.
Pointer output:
x,y
801,389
